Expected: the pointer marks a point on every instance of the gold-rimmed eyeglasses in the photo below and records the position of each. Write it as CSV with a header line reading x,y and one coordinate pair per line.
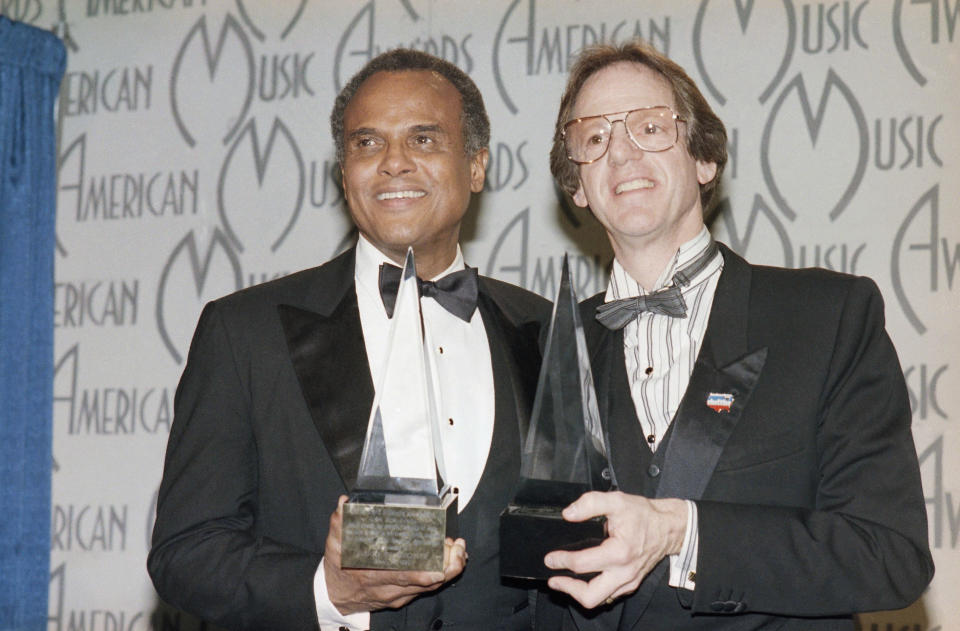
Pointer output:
x,y
652,128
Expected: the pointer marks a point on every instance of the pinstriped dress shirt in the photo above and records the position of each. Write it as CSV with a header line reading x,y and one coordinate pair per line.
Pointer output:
x,y
660,352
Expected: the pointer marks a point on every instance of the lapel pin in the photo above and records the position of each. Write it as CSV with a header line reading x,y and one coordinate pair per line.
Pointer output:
x,y
720,401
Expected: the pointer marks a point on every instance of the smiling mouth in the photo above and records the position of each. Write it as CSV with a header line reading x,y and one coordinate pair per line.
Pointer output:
x,y
400,195
633,185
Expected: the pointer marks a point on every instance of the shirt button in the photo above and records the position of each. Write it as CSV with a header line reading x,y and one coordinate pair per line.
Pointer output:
x,y
651,438
649,370
440,350
653,471
450,421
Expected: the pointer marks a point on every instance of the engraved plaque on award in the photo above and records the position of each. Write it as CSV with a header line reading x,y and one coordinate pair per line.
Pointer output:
x,y
565,453
401,509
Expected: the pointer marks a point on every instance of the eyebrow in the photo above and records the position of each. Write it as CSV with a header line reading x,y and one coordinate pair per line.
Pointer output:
x,y
423,128
362,131
415,129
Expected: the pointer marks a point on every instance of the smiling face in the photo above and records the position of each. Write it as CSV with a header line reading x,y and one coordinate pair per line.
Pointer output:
x,y
642,199
406,176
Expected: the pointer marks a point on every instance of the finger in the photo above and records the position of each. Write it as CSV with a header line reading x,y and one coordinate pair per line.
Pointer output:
x,y
589,505
568,585
456,559
420,579
591,594
336,517
606,556
392,583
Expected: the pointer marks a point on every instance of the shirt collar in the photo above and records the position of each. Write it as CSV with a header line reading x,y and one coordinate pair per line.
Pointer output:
x,y
369,259
622,285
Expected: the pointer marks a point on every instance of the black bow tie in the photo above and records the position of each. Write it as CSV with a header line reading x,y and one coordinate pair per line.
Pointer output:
x,y
456,292
667,301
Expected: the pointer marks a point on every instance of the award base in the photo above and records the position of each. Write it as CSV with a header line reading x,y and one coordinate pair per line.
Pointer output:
x,y
528,533
394,531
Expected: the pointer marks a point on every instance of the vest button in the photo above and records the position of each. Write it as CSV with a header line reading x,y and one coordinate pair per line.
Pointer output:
x,y
653,471
437,624
606,474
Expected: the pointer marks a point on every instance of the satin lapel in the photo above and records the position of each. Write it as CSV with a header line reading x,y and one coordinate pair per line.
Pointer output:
x,y
629,455
699,432
606,348
514,355
725,366
329,356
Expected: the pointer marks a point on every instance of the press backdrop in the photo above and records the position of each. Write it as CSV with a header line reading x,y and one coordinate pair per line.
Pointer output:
x,y
195,159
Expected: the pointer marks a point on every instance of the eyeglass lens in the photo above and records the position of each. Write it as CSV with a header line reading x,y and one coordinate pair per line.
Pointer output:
x,y
651,129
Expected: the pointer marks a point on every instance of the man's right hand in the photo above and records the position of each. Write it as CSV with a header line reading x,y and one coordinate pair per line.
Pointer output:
x,y
352,591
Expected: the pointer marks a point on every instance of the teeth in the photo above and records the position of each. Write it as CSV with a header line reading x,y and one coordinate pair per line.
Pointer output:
x,y
633,185
400,195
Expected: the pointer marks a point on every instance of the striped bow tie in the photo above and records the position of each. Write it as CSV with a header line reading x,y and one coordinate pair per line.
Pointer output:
x,y
667,301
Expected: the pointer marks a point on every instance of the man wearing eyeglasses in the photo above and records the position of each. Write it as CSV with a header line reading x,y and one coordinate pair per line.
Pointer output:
x,y
758,417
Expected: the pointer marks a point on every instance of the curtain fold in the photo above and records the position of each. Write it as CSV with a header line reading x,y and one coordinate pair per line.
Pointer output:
x,y
32,63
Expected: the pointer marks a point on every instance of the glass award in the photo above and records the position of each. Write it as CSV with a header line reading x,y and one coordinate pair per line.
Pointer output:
x,y
565,453
401,508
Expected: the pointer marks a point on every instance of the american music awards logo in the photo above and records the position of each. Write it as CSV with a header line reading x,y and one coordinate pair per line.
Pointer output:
x,y
839,144
219,70
361,40
190,278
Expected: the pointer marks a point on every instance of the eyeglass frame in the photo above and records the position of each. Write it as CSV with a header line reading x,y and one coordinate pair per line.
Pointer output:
x,y
673,116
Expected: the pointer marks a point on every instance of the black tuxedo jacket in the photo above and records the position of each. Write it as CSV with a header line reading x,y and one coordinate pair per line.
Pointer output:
x,y
270,418
808,489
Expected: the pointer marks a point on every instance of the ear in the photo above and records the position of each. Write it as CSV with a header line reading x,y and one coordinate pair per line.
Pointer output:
x,y
706,171
478,169
579,198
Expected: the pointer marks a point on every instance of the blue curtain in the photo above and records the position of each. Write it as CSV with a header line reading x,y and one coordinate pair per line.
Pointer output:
x,y
31,66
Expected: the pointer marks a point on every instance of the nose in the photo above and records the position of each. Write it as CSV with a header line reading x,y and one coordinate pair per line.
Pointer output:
x,y
621,148
396,160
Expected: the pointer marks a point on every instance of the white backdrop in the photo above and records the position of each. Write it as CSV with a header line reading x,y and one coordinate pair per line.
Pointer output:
x,y
195,159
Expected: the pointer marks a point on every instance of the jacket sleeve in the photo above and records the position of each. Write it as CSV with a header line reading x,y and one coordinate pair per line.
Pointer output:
x,y
862,543
207,557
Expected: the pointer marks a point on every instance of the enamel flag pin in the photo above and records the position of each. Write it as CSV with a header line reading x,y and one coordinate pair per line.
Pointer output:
x,y
720,401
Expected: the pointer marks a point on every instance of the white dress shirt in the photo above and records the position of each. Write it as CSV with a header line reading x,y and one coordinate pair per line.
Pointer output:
x,y
463,383
660,352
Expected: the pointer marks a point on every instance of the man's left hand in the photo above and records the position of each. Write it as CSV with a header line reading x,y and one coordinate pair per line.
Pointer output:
x,y
640,532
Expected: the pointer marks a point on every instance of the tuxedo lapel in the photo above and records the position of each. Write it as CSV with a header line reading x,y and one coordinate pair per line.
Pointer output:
x,y
606,362
515,356
330,359
700,432
725,366
629,455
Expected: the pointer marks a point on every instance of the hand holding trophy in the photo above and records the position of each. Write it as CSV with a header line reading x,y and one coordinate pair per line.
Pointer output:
x,y
565,453
401,510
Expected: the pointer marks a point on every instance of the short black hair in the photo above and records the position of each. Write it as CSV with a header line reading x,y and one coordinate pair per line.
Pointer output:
x,y
475,124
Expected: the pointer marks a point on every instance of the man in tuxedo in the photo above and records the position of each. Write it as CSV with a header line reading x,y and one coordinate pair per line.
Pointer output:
x,y
272,408
758,417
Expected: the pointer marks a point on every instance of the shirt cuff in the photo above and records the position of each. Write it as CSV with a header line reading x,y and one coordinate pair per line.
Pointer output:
x,y
328,616
683,565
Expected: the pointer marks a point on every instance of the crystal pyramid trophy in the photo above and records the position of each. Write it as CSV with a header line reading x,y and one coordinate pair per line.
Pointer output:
x,y
565,453
401,509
